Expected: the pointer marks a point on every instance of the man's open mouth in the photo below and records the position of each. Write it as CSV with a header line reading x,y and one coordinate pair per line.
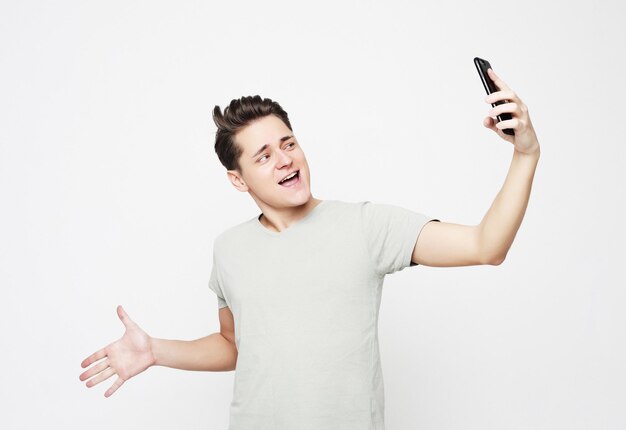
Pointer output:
x,y
291,179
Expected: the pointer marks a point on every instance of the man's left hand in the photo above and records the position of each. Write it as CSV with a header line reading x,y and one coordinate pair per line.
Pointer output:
x,y
525,140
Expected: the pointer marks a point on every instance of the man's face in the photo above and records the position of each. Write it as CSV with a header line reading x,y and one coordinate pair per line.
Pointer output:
x,y
271,153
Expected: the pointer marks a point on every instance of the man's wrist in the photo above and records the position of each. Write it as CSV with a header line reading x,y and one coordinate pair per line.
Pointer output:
x,y
535,151
155,349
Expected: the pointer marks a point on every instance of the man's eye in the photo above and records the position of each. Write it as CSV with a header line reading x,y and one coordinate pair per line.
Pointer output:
x,y
292,143
263,157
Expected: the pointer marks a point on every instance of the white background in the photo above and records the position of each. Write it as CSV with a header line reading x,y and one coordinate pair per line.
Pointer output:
x,y
111,194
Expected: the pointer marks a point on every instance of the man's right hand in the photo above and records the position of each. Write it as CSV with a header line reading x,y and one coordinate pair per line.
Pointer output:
x,y
126,357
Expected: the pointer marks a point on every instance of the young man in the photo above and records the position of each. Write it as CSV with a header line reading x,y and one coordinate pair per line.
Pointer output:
x,y
299,287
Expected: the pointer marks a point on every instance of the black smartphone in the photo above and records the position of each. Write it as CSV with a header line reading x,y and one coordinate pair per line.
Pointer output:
x,y
490,87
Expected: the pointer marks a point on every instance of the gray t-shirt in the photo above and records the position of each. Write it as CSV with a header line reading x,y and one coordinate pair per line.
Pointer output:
x,y
305,303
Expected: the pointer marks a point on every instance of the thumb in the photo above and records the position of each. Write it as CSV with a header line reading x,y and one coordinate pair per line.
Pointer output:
x,y
121,313
490,123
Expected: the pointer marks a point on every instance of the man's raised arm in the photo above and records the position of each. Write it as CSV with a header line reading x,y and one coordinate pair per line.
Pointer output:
x,y
446,244
499,226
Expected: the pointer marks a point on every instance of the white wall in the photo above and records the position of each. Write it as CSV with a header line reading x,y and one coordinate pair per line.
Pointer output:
x,y
111,193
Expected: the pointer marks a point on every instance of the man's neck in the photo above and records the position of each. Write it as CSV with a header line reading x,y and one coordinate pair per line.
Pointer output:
x,y
279,220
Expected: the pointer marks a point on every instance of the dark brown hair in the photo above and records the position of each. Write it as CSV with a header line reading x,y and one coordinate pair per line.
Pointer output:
x,y
238,114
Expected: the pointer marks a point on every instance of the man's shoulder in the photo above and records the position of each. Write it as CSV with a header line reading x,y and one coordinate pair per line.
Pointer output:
x,y
234,233
345,204
342,211
351,208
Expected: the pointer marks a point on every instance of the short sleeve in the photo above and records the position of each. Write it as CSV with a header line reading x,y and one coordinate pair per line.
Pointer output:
x,y
390,235
215,284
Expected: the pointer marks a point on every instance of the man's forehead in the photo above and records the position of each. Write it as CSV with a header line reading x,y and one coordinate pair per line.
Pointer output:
x,y
262,133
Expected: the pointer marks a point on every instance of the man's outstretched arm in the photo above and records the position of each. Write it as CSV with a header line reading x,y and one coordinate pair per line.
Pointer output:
x,y
216,352
136,351
446,244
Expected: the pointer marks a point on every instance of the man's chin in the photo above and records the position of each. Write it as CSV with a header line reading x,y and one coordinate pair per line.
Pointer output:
x,y
281,199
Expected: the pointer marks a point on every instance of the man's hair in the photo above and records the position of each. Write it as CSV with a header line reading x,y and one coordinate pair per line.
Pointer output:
x,y
238,114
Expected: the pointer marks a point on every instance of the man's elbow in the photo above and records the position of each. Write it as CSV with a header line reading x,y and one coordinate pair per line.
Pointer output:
x,y
491,258
496,261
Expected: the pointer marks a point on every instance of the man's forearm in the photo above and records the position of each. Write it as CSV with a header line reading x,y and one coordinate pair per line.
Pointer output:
x,y
499,226
211,353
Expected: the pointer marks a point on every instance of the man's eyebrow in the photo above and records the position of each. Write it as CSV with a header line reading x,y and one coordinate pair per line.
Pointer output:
x,y
264,147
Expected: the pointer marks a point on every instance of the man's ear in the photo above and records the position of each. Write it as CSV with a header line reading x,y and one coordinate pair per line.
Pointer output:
x,y
237,180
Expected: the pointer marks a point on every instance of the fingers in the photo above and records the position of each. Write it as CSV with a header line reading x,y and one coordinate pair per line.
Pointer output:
x,y
121,313
93,358
496,79
505,93
509,123
505,101
519,117
102,376
103,372
117,384
505,108
497,127
94,370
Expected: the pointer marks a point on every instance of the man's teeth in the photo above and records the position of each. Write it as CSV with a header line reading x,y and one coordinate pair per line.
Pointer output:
x,y
288,177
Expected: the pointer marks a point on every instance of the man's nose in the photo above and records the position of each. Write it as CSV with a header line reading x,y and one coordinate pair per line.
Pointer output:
x,y
283,158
